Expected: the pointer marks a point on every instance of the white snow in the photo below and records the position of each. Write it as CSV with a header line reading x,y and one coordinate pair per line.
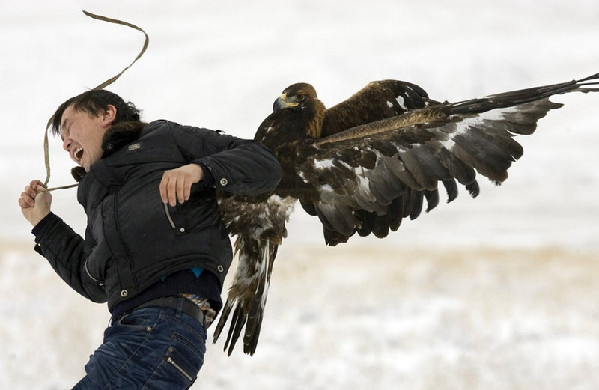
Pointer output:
x,y
492,293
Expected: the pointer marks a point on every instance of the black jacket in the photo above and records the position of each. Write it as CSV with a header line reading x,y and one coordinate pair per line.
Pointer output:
x,y
132,239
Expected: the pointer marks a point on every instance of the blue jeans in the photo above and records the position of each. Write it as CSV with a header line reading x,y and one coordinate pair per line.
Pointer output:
x,y
150,348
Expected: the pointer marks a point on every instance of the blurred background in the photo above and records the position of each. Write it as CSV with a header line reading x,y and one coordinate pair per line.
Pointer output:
x,y
496,293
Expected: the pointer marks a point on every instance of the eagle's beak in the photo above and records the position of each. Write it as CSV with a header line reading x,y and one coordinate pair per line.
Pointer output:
x,y
282,102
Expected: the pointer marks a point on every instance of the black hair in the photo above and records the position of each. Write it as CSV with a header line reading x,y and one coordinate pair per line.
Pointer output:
x,y
94,102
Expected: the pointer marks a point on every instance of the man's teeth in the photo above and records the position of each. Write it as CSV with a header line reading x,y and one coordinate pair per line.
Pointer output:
x,y
78,153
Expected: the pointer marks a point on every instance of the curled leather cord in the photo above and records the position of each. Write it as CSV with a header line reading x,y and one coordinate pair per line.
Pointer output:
x,y
100,86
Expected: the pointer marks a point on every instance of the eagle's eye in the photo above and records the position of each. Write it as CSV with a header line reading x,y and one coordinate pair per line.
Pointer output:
x,y
301,97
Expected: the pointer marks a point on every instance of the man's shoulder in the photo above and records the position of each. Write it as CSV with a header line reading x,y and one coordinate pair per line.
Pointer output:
x,y
163,125
157,125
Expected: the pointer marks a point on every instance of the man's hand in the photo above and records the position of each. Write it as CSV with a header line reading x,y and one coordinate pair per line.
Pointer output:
x,y
176,183
35,202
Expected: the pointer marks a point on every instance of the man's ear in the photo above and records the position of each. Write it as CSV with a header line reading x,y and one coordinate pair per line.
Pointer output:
x,y
109,115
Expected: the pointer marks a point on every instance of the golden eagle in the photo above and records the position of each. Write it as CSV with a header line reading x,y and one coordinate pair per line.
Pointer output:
x,y
364,165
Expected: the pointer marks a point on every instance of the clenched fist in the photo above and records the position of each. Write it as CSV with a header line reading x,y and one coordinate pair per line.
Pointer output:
x,y
35,202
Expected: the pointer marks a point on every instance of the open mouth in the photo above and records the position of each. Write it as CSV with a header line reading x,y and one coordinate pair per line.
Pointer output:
x,y
78,154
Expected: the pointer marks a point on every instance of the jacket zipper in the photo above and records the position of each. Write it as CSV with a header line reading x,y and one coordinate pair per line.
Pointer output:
x,y
98,281
129,275
178,367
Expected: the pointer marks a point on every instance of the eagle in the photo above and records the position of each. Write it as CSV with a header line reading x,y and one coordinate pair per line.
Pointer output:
x,y
365,165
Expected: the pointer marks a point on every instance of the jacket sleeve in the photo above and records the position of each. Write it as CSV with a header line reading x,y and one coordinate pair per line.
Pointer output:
x,y
66,250
238,165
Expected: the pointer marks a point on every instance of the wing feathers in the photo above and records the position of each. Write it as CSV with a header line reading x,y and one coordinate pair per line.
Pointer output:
x,y
458,168
451,188
380,174
378,100
399,170
484,155
421,175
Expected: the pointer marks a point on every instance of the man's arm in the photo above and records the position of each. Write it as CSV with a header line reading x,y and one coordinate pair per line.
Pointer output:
x,y
236,165
57,242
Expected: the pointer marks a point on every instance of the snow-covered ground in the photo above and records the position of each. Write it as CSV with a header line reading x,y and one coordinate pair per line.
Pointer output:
x,y
493,293
357,317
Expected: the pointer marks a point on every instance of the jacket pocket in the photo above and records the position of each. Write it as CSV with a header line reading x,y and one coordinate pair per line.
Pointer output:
x,y
189,215
177,224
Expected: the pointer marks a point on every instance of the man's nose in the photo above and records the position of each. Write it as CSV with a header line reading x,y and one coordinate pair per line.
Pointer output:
x,y
66,144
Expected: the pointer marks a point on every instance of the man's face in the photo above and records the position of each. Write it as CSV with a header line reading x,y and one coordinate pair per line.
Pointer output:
x,y
82,134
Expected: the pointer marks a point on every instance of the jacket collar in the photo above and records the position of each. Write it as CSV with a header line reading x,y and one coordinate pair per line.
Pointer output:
x,y
116,137
121,134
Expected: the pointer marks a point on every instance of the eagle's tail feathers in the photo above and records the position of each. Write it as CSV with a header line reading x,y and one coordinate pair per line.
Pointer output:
x,y
237,322
248,293
223,320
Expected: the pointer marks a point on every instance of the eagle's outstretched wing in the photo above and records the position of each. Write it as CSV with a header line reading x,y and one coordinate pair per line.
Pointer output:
x,y
368,178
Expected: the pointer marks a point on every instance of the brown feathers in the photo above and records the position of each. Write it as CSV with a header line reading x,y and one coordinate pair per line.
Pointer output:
x,y
378,100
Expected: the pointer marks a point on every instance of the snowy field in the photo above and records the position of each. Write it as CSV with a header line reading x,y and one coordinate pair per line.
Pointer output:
x,y
494,293
354,318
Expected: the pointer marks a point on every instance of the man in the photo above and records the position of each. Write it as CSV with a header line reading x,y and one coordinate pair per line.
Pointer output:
x,y
155,247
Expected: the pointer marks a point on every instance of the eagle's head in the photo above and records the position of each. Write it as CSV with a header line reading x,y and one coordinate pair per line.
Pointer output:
x,y
301,95
301,99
